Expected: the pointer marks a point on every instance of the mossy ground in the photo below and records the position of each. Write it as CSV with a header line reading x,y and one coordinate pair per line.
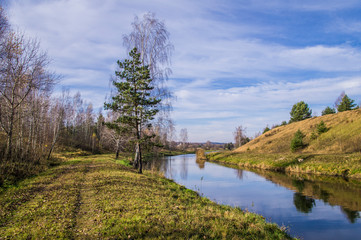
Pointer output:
x,y
93,197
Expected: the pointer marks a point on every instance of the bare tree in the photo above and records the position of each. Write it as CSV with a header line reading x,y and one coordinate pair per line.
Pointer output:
x,y
4,24
183,135
240,137
339,99
151,38
23,70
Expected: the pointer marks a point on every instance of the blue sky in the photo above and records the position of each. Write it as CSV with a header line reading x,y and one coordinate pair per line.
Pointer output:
x,y
235,62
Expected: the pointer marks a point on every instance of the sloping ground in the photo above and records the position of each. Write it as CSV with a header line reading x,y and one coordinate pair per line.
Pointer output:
x,y
92,197
343,136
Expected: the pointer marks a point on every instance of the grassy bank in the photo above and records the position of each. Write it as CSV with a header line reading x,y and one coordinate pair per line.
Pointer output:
x,y
347,165
93,197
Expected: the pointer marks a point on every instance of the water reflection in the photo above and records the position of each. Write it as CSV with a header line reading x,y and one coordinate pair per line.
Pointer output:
x,y
239,173
303,203
184,167
351,215
200,163
314,207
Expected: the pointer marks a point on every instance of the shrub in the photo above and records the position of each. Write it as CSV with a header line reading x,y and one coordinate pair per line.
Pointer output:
x,y
321,128
328,110
297,141
266,129
313,136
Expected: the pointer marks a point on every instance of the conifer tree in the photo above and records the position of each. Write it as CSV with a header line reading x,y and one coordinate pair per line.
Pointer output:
x,y
346,104
328,110
300,111
133,102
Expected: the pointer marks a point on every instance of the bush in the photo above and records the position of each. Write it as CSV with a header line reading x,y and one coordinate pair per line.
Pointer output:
x,y
321,128
328,110
313,136
297,141
266,129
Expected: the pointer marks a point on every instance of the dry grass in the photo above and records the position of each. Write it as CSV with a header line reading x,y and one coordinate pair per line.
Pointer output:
x,y
343,136
92,197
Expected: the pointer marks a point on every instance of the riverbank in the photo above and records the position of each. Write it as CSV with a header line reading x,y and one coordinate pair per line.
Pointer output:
x,y
345,165
93,197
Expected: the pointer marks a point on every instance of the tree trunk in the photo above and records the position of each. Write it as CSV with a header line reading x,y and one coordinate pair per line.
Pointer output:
x,y
118,149
9,146
140,161
136,157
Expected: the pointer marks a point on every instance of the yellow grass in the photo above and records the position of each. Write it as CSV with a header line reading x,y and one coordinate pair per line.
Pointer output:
x,y
343,136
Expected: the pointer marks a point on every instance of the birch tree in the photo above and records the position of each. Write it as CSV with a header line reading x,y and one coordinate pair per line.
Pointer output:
x,y
152,39
23,70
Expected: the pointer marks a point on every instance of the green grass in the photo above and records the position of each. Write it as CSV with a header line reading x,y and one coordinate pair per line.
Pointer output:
x,y
93,197
347,165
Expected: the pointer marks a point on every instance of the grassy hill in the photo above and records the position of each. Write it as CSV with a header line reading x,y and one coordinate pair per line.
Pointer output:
x,y
343,136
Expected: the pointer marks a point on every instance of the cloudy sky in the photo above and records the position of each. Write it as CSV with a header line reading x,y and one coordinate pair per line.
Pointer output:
x,y
236,62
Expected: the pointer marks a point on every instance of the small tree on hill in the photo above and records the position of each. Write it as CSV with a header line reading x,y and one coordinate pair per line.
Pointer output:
x,y
266,129
133,102
328,110
297,141
321,127
300,111
346,104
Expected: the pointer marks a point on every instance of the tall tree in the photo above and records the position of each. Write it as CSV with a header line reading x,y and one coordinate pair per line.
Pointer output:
x,y
152,39
23,71
183,135
133,101
300,111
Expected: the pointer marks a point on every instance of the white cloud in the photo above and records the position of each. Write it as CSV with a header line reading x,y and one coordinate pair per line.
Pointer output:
x,y
213,114
84,38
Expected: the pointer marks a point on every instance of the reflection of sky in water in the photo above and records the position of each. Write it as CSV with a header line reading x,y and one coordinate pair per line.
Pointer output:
x,y
250,191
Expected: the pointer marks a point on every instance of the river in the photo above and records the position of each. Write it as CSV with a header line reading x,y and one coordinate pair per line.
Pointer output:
x,y
310,207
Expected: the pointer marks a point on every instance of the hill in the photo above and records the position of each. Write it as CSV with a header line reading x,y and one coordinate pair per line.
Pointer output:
x,y
343,136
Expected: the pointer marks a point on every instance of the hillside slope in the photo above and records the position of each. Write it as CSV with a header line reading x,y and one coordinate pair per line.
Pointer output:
x,y
343,136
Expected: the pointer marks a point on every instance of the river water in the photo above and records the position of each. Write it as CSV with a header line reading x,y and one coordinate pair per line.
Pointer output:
x,y
310,207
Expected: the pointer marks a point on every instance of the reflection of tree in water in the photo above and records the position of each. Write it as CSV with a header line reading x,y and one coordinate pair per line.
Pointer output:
x,y
299,184
351,215
184,168
200,163
239,173
303,203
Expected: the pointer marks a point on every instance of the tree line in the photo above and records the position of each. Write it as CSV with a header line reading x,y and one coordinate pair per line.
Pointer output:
x,y
34,123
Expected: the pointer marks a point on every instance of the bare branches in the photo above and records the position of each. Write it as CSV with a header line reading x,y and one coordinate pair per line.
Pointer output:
x,y
22,73
151,38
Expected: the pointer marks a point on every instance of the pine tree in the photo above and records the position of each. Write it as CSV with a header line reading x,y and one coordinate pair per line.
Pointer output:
x,y
133,102
297,141
300,111
346,104
328,110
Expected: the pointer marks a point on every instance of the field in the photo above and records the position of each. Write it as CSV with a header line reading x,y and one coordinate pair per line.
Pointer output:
x,y
94,197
